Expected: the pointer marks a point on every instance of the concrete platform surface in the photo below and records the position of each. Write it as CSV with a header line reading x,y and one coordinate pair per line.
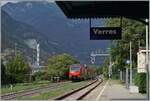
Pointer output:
x,y
113,90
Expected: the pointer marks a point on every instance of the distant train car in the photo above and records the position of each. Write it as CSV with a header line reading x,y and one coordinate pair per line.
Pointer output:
x,y
90,72
76,72
79,72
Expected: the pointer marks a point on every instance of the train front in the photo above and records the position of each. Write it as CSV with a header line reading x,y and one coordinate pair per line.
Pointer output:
x,y
75,72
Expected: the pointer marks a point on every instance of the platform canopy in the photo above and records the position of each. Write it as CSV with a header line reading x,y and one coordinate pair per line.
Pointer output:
x,y
137,10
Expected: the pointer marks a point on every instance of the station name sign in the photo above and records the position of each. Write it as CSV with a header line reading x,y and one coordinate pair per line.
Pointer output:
x,y
105,33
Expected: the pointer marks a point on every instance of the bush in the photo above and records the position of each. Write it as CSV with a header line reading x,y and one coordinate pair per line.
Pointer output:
x,y
3,74
115,76
140,81
39,76
105,72
17,70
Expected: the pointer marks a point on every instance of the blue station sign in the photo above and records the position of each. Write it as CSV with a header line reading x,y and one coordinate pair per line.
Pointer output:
x,y
105,33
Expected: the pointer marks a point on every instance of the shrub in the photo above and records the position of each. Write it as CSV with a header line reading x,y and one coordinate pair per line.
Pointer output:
x,y
17,70
40,75
140,81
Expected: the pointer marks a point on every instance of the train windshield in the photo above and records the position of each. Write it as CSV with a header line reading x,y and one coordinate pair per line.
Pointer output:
x,y
75,68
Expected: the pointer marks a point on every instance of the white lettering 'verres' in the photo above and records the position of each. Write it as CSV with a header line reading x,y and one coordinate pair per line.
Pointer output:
x,y
95,31
104,32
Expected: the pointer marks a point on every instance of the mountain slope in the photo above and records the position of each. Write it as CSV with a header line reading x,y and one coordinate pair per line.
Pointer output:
x,y
57,33
15,32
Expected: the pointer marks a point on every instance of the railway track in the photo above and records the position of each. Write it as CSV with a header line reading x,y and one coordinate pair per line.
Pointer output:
x,y
80,93
30,92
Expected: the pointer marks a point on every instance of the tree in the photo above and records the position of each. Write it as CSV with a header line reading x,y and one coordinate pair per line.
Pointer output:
x,y
58,65
133,31
40,75
3,74
17,69
99,70
105,67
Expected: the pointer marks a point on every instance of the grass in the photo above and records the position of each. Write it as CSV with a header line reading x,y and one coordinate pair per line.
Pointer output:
x,y
24,86
55,92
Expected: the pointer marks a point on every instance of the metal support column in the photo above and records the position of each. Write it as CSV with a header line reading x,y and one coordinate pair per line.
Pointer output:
x,y
130,63
110,67
127,84
121,78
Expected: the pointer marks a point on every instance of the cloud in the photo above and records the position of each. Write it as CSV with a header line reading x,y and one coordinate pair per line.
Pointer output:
x,y
3,2
29,4
50,1
32,43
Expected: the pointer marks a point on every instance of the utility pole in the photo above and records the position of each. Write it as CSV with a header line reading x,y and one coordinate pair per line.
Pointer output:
x,y
110,67
130,63
92,56
38,54
127,84
121,78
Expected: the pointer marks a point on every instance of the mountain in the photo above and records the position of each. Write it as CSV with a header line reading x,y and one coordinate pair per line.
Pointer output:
x,y
22,35
55,33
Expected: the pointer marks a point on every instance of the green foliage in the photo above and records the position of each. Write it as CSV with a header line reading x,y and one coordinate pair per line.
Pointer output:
x,y
3,74
24,86
56,92
140,81
17,70
133,31
99,70
40,75
105,67
58,65
115,71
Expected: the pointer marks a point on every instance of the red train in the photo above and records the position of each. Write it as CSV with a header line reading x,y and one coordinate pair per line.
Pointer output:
x,y
79,72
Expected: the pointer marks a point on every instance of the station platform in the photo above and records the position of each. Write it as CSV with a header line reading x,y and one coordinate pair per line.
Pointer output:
x,y
114,90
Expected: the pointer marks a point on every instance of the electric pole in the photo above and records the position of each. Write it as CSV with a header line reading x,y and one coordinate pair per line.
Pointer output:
x,y
130,63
